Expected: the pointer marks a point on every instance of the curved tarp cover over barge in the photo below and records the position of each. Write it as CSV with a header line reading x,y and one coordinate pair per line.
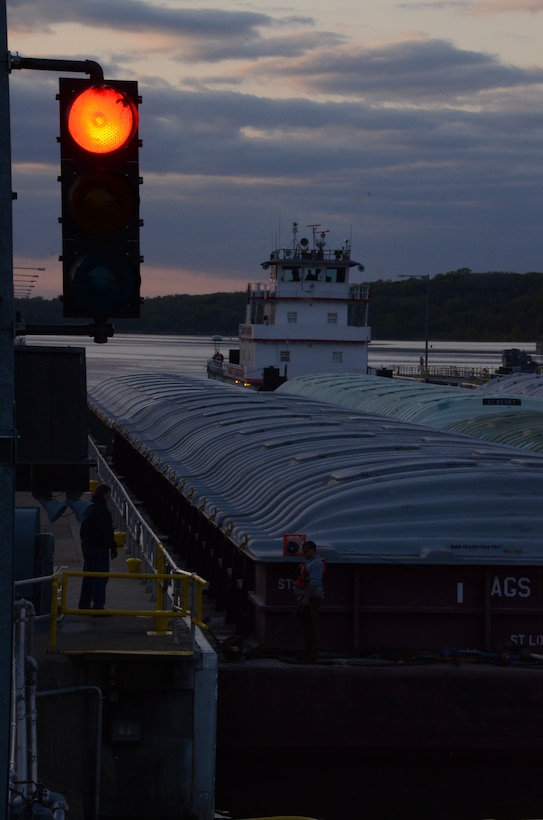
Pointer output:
x,y
413,522
508,410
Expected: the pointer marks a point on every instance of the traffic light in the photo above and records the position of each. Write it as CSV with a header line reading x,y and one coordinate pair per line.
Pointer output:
x,y
100,180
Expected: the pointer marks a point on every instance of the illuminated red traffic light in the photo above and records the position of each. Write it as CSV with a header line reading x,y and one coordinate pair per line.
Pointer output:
x,y
100,199
102,119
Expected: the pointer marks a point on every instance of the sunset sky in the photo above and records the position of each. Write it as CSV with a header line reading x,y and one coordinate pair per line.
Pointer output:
x,y
415,127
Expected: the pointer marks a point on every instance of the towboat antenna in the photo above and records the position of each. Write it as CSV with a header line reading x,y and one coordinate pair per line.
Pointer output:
x,y
322,241
314,229
294,234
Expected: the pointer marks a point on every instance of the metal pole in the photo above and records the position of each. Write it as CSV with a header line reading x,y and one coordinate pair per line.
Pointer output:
x,y
427,323
7,431
427,313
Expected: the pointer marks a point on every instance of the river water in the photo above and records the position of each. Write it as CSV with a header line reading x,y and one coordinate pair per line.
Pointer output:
x,y
345,787
188,354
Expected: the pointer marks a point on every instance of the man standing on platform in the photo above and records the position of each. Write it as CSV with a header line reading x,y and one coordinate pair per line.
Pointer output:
x,y
97,543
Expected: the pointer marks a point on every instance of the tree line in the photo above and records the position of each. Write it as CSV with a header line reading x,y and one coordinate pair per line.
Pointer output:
x,y
462,306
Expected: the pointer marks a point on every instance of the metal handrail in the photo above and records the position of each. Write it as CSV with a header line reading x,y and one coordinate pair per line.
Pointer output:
x,y
478,374
185,590
181,589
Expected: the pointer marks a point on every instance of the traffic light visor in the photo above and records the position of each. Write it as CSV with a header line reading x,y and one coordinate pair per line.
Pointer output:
x,y
102,119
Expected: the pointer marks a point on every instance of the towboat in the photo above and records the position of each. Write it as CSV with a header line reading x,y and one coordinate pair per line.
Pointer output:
x,y
308,318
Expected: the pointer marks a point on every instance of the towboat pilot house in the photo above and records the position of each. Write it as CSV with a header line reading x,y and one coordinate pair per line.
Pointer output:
x,y
310,274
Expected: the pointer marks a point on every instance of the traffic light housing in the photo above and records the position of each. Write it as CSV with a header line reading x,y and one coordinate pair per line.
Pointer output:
x,y
99,160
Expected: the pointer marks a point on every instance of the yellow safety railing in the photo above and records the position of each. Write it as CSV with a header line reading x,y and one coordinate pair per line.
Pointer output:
x,y
185,593
175,593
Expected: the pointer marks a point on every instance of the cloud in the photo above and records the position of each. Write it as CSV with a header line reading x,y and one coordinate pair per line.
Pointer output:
x,y
202,34
412,72
290,122
507,6
486,7
133,16
256,48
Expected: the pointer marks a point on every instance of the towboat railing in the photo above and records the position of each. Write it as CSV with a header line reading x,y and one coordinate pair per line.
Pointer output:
x,y
262,290
447,374
359,292
322,252
268,290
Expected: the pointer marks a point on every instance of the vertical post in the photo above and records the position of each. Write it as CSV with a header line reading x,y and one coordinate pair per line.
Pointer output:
x,y
204,729
54,611
427,324
7,431
195,610
161,582
427,314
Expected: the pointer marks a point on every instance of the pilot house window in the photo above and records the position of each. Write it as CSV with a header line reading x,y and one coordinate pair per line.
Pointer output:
x,y
292,317
332,318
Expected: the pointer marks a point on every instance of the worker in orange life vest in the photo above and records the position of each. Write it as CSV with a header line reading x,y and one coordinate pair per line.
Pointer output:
x,y
309,591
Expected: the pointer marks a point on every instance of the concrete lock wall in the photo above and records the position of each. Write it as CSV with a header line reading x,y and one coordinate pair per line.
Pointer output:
x,y
153,752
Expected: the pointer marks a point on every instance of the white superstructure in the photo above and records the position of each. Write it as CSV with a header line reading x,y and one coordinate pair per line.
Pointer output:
x,y
308,318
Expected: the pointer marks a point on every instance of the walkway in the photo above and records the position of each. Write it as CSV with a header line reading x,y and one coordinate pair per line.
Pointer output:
x,y
102,633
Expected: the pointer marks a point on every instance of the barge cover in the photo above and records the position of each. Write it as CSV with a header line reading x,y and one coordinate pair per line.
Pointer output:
x,y
432,538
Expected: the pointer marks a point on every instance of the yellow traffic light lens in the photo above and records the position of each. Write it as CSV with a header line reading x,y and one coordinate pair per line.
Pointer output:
x,y
102,119
103,201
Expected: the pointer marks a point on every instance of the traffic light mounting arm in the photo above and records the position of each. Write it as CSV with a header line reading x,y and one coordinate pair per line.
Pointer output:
x,y
90,67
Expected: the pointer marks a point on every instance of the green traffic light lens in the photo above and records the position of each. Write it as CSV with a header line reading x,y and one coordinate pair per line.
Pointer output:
x,y
102,283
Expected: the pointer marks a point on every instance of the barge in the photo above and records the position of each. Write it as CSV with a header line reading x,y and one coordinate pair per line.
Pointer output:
x,y
432,538
508,410
432,636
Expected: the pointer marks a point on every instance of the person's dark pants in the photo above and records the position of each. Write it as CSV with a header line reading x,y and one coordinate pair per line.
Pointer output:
x,y
309,615
93,590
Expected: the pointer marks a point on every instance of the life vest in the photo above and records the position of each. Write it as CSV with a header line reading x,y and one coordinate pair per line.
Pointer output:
x,y
301,578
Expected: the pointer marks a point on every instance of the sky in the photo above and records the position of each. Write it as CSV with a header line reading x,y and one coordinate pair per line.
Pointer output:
x,y
415,128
